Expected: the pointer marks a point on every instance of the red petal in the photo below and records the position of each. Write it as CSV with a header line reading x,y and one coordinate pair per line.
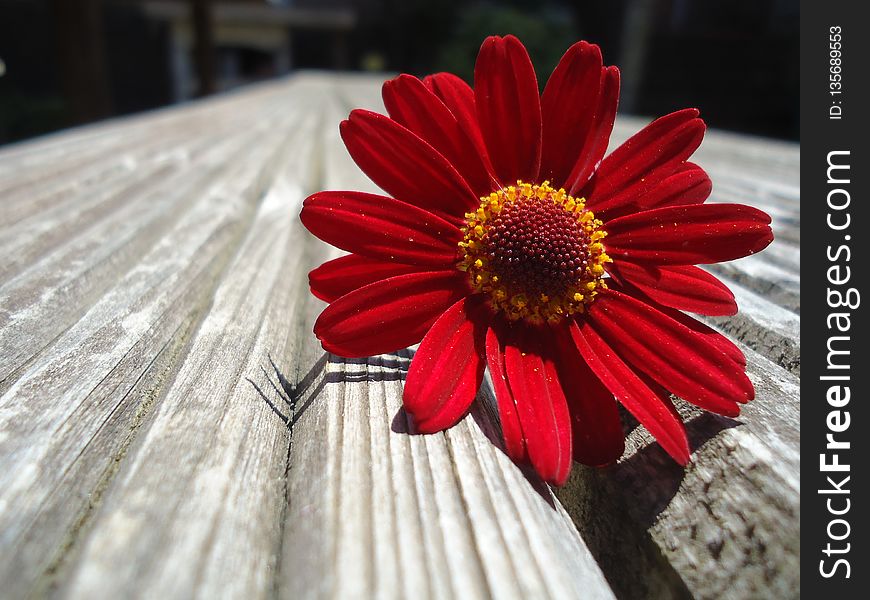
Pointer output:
x,y
672,354
411,104
713,337
381,228
596,426
690,184
388,315
649,156
405,166
708,333
508,108
599,136
459,98
663,394
543,410
335,278
687,235
684,287
568,107
512,431
447,369
631,391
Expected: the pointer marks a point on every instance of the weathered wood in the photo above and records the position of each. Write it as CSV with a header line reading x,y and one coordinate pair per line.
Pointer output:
x,y
201,500
767,328
169,426
444,515
721,528
767,279
70,414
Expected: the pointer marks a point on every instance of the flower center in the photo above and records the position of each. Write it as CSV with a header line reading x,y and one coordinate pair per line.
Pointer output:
x,y
535,250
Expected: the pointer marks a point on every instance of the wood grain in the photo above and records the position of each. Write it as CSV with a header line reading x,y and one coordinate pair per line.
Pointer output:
x,y
169,426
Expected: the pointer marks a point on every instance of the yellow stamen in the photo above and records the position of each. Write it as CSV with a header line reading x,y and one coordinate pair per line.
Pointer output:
x,y
478,254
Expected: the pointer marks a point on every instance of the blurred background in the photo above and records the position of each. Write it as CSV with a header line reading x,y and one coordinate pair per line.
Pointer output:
x,y
68,62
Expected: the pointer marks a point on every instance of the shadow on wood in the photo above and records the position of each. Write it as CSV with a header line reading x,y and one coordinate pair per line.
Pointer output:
x,y
328,369
615,507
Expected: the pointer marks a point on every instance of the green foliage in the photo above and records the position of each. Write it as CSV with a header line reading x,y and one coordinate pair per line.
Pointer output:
x,y
546,33
26,115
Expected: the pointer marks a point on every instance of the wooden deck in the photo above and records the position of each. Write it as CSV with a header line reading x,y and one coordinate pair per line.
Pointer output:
x,y
170,427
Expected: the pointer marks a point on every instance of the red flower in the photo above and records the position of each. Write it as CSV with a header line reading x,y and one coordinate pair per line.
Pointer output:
x,y
508,242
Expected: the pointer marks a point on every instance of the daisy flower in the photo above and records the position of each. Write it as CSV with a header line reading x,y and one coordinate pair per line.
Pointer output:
x,y
507,240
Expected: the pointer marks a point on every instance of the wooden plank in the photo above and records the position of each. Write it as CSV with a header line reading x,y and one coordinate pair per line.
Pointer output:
x,y
50,295
48,171
199,503
442,516
69,417
722,528
74,210
375,512
764,326
26,160
766,278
